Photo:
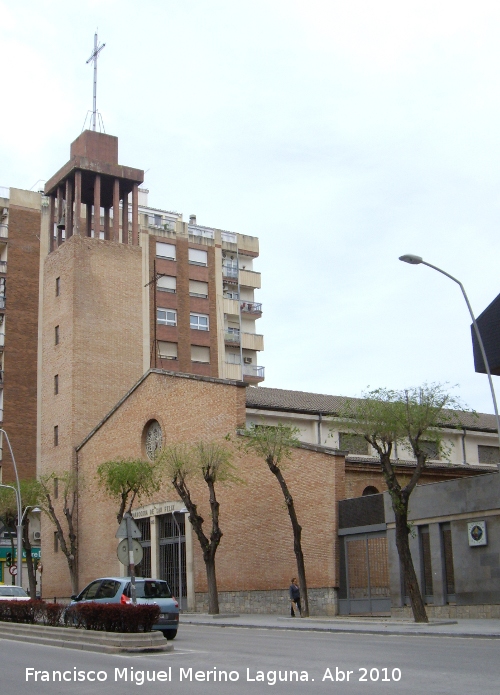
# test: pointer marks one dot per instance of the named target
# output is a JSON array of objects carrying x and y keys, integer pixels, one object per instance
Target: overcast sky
[{"x": 341, "y": 133}]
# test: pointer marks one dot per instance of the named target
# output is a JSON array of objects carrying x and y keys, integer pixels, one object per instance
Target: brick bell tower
[{"x": 91, "y": 315}]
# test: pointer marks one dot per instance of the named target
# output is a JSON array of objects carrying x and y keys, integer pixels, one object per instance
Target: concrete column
[
  {"x": 125, "y": 219},
  {"x": 395, "y": 571},
  {"x": 97, "y": 206},
  {"x": 60, "y": 210},
  {"x": 437, "y": 564},
  {"x": 69, "y": 208},
  {"x": 77, "y": 226},
  {"x": 155, "y": 548},
  {"x": 116, "y": 210},
  {"x": 88, "y": 219},
  {"x": 135, "y": 214},
  {"x": 52, "y": 207},
  {"x": 416, "y": 556},
  {"x": 107, "y": 231}
]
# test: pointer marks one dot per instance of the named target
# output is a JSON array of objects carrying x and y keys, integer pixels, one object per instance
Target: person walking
[{"x": 294, "y": 592}]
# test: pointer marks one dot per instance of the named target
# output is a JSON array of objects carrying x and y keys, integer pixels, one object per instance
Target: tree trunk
[
  {"x": 213, "y": 596},
  {"x": 29, "y": 560},
  {"x": 297, "y": 537},
  {"x": 409, "y": 575}
]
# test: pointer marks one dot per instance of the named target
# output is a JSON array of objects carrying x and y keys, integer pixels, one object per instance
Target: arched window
[
  {"x": 370, "y": 490},
  {"x": 153, "y": 439}
]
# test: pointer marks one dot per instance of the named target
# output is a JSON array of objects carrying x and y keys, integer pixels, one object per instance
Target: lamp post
[
  {"x": 418, "y": 260},
  {"x": 180, "y": 511}
]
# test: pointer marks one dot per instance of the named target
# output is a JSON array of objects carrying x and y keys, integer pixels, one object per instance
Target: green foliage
[
  {"x": 412, "y": 418},
  {"x": 272, "y": 443},
  {"x": 208, "y": 460},
  {"x": 31, "y": 496},
  {"x": 128, "y": 480}
]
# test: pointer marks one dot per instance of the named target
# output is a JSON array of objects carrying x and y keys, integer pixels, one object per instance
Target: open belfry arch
[{"x": 92, "y": 182}]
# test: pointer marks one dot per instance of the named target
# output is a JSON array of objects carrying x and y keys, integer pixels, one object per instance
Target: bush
[
  {"x": 113, "y": 617},
  {"x": 29, "y": 612},
  {"x": 52, "y": 614}
]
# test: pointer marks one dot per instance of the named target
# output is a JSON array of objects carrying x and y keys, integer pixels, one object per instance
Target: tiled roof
[{"x": 263, "y": 398}]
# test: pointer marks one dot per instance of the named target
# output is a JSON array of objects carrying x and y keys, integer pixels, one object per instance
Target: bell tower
[{"x": 91, "y": 313}]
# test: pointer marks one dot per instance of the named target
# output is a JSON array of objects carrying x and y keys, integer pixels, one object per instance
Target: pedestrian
[{"x": 294, "y": 592}]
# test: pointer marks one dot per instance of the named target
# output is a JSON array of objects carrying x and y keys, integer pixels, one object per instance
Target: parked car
[
  {"x": 13, "y": 593},
  {"x": 117, "y": 590}
]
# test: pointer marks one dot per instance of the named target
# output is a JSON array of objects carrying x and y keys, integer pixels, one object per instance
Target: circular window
[{"x": 154, "y": 439}]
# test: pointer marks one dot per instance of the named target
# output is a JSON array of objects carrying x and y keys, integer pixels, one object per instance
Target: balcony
[
  {"x": 231, "y": 306},
  {"x": 251, "y": 308},
  {"x": 4, "y": 231},
  {"x": 252, "y": 341},
  {"x": 249, "y": 278},
  {"x": 253, "y": 374},
  {"x": 230, "y": 274},
  {"x": 2, "y": 340},
  {"x": 232, "y": 371},
  {"x": 3, "y": 266},
  {"x": 2, "y": 301},
  {"x": 232, "y": 336}
]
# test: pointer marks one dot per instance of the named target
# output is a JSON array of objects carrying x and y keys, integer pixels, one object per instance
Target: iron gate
[
  {"x": 366, "y": 575},
  {"x": 172, "y": 537}
]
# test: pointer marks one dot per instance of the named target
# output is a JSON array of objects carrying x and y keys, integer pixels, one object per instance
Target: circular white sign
[{"x": 122, "y": 552}]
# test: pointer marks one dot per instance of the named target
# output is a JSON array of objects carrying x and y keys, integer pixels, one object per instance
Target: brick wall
[
  {"x": 256, "y": 552},
  {"x": 21, "y": 340}
]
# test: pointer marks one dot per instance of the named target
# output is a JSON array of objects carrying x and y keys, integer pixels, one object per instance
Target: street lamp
[
  {"x": 418, "y": 260},
  {"x": 181, "y": 511}
]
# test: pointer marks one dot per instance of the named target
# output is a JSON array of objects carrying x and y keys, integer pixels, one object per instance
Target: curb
[
  {"x": 350, "y": 630},
  {"x": 86, "y": 640}
]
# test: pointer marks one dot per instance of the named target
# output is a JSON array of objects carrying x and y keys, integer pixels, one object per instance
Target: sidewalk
[{"x": 485, "y": 629}]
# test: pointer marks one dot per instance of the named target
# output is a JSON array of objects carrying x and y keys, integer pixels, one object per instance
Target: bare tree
[
  {"x": 275, "y": 444},
  {"x": 210, "y": 461},
  {"x": 413, "y": 420}
]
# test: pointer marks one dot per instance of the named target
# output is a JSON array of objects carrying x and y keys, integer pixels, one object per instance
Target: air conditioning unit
[
  {"x": 37, "y": 535},
  {"x": 247, "y": 360}
]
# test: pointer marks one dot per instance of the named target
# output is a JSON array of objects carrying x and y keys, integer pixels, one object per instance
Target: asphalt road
[{"x": 427, "y": 665}]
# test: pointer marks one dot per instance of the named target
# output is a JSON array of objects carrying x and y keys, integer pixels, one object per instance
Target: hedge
[{"x": 109, "y": 617}]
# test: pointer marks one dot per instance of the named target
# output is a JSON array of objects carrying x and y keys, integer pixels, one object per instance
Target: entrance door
[
  {"x": 172, "y": 533},
  {"x": 367, "y": 575}
]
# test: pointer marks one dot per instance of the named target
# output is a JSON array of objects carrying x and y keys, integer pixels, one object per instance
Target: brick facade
[{"x": 21, "y": 341}]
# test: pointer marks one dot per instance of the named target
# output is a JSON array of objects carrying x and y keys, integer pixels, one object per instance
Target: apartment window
[
  {"x": 488, "y": 454},
  {"x": 167, "y": 317},
  {"x": 167, "y": 283},
  {"x": 231, "y": 295},
  {"x": 56, "y": 435},
  {"x": 58, "y": 287},
  {"x": 56, "y": 542},
  {"x": 56, "y": 488},
  {"x": 353, "y": 443},
  {"x": 233, "y": 358},
  {"x": 197, "y": 257},
  {"x": 198, "y": 289},
  {"x": 165, "y": 250},
  {"x": 199, "y": 322},
  {"x": 56, "y": 384},
  {"x": 431, "y": 449},
  {"x": 167, "y": 351},
  {"x": 56, "y": 335},
  {"x": 157, "y": 220},
  {"x": 200, "y": 353}
]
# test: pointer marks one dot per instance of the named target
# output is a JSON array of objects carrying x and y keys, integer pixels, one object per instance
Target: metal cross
[{"x": 97, "y": 50}]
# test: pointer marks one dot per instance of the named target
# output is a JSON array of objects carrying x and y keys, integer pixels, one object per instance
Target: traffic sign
[
  {"x": 122, "y": 529},
  {"x": 13, "y": 570},
  {"x": 122, "y": 552}
]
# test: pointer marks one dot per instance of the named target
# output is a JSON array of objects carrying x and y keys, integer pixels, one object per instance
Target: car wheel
[{"x": 169, "y": 634}]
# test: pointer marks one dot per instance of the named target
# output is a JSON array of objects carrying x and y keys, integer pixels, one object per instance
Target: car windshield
[
  {"x": 12, "y": 591},
  {"x": 152, "y": 589}
]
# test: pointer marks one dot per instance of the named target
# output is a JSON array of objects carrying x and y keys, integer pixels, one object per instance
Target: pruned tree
[
  {"x": 411, "y": 419},
  {"x": 31, "y": 496},
  {"x": 210, "y": 461},
  {"x": 275, "y": 445},
  {"x": 66, "y": 487},
  {"x": 128, "y": 480}
]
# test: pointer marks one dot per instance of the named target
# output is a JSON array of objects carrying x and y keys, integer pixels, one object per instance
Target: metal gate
[
  {"x": 366, "y": 566},
  {"x": 172, "y": 537},
  {"x": 143, "y": 569}
]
